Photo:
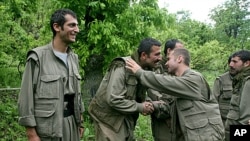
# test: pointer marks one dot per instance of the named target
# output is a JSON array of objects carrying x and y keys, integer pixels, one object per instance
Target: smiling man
[
  {"x": 121, "y": 97},
  {"x": 49, "y": 103},
  {"x": 198, "y": 115}
]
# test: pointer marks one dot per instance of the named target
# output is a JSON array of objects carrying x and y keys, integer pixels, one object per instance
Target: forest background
[{"x": 111, "y": 28}]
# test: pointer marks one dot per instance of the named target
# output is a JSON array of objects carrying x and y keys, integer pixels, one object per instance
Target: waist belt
[
  {"x": 68, "y": 105},
  {"x": 68, "y": 112}
]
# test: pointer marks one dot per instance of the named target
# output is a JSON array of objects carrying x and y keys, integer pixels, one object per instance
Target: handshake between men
[{"x": 148, "y": 107}]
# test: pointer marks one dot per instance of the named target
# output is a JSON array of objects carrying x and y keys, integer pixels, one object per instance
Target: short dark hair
[
  {"x": 171, "y": 44},
  {"x": 146, "y": 45},
  {"x": 59, "y": 17},
  {"x": 244, "y": 55},
  {"x": 229, "y": 59},
  {"x": 183, "y": 52}
]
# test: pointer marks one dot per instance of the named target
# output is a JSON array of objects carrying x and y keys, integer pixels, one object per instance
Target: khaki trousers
[{"x": 70, "y": 131}]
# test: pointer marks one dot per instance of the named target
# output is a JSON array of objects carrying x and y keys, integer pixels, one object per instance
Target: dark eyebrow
[
  {"x": 158, "y": 53},
  {"x": 73, "y": 24}
]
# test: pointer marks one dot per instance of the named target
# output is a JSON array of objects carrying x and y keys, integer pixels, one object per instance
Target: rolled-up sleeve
[{"x": 26, "y": 96}]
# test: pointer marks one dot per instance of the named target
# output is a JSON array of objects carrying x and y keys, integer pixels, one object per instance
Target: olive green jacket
[
  {"x": 160, "y": 118},
  {"x": 197, "y": 108},
  {"x": 239, "y": 112},
  {"x": 118, "y": 97},
  {"x": 222, "y": 90},
  {"x": 46, "y": 80},
  {"x": 239, "y": 105}
]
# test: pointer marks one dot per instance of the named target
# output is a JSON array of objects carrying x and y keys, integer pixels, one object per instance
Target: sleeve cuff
[
  {"x": 27, "y": 121},
  {"x": 140, "y": 107},
  {"x": 139, "y": 72}
]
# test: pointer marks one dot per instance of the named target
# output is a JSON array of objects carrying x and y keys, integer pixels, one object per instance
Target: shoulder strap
[
  {"x": 34, "y": 58},
  {"x": 221, "y": 86}
]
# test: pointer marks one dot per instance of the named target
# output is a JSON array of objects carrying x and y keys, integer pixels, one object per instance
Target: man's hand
[
  {"x": 81, "y": 131},
  {"x": 31, "y": 134},
  {"x": 132, "y": 65},
  {"x": 148, "y": 108}
]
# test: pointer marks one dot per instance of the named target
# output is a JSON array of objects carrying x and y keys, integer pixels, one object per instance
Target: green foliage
[
  {"x": 232, "y": 23},
  {"x": 194, "y": 32},
  {"x": 9, "y": 77},
  {"x": 114, "y": 28},
  {"x": 111, "y": 28},
  {"x": 9, "y": 128},
  {"x": 143, "y": 129},
  {"x": 211, "y": 56}
]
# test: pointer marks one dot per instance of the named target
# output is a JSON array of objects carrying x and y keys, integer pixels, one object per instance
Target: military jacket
[
  {"x": 239, "y": 106},
  {"x": 222, "y": 90},
  {"x": 118, "y": 96},
  {"x": 46, "y": 80},
  {"x": 161, "y": 110},
  {"x": 197, "y": 108}
]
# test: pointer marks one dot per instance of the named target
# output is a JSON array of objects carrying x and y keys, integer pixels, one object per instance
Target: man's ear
[
  {"x": 247, "y": 64},
  {"x": 143, "y": 55},
  {"x": 56, "y": 27},
  {"x": 168, "y": 51},
  {"x": 179, "y": 59}
]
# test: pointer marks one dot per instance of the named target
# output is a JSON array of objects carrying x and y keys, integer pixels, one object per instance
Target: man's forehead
[
  {"x": 236, "y": 58},
  {"x": 70, "y": 18}
]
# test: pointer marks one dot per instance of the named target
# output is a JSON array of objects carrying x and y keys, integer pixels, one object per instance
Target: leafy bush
[
  {"x": 10, "y": 130},
  {"x": 9, "y": 77}
]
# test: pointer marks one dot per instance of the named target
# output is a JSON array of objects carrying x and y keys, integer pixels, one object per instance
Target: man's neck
[
  {"x": 60, "y": 46},
  {"x": 181, "y": 70}
]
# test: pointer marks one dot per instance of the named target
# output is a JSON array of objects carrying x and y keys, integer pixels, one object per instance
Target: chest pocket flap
[
  {"x": 131, "y": 83},
  {"x": 50, "y": 86},
  {"x": 227, "y": 92}
]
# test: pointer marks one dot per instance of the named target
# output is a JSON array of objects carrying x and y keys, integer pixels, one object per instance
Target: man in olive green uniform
[
  {"x": 163, "y": 103},
  {"x": 50, "y": 104},
  {"x": 197, "y": 109},
  {"x": 119, "y": 98},
  {"x": 239, "y": 113},
  {"x": 222, "y": 90}
]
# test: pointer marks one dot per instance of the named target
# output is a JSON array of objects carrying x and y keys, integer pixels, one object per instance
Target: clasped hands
[{"x": 148, "y": 108}]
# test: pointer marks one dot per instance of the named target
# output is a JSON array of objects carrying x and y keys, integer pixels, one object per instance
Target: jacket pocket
[
  {"x": 227, "y": 93},
  {"x": 235, "y": 100},
  {"x": 44, "y": 122},
  {"x": 218, "y": 132},
  {"x": 106, "y": 115},
  {"x": 50, "y": 86},
  {"x": 195, "y": 130},
  {"x": 131, "y": 83},
  {"x": 205, "y": 130}
]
